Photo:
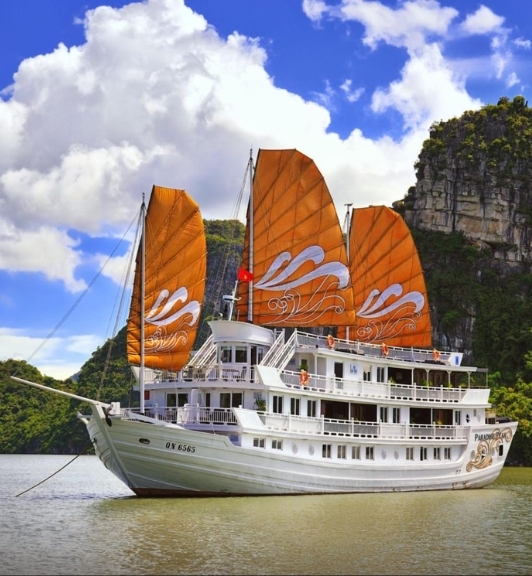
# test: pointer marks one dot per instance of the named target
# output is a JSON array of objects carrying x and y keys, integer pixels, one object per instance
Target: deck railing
[
  {"x": 386, "y": 390},
  {"x": 199, "y": 416},
  {"x": 352, "y": 428}
]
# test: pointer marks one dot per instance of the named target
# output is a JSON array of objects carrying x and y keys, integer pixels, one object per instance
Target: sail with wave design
[
  {"x": 389, "y": 287},
  {"x": 174, "y": 285},
  {"x": 294, "y": 248}
]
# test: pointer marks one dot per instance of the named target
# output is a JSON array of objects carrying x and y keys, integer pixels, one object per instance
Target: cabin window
[
  {"x": 146, "y": 394},
  {"x": 311, "y": 408},
  {"x": 447, "y": 453},
  {"x": 437, "y": 454},
  {"x": 384, "y": 413},
  {"x": 237, "y": 399},
  {"x": 182, "y": 399},
  {"x": 367, "y": 374},
  {"x": 225, "y": 400},
  {"x": 422, "y": 453},
  {"x": 410, "y": 453},
  {"x": 370, "y": 453},
  {"x": 355, "y": 452},
  {"x": 380, "y": 374},
  {"x": 258, "y": 442},
  {"x": 277, "y": 444},
  {"x": 396, "y": 415},
  {"x": 171, "y": 400},
  {"x": 326, "y": 450},
  {"x": 230, "y": 400},
  {"x": 208, "y": 399},
  {"x": 501, "y": 450},
  {"x": 457, "y": 417},
  {"x": 278, "y": 404},
  {"x": 241, "y": 354},
  {"x": 341, "y": 452},
  {"x": 226, "y": 354},
  {"x": 294, "y": 406}
]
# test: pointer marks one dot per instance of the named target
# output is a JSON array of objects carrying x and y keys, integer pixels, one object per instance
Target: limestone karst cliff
[
  {"x": 470, "y": 211},
  {"x": 474, "y": 175}
]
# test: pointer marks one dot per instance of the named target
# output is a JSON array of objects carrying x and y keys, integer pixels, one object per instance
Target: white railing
[
  {"x": 374, "y": 350},
  {"x": 189, "y": 414},
  {"x": 330, "y": 426},
  {"x": 386, "y": 390},
  {"x": 192, "y": 415},
  {"x": 206, "y": 355}
]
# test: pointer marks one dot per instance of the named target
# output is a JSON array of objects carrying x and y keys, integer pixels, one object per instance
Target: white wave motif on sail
[
  {"x": 373, "y": 306},
  {"x": 291, "y": 307},
  {"x": 161, "y": 318},
  {"x": 397, "y": 317},
  {"x": 162, "y": 340},
  {"x": 312, "y": 253}
]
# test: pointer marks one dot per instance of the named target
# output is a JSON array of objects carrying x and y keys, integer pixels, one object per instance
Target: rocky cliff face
[{"x": 474, "y": 175}]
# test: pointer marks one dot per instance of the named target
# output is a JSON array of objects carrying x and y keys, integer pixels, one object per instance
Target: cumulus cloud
[{"x": 483, "y": 21}]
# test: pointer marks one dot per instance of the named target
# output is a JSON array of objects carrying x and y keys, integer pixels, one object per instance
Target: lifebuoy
[
  {"x": 303, "y": 377},
  {"x": 435, "y": 354},
  {"x": 330, "y": 341},
  {"x": 385, "y": 350}
]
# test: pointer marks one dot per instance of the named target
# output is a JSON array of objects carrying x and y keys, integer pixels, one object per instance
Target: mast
[
  {"x": 142, "y": 305},
  {"x": 251, "y": 232}
]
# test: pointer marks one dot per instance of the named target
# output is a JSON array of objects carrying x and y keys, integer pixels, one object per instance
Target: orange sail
[
  {"x": 390, "y": 294},
  {"x": 175, "y": 272},
  {"x": 294, "y": 251}
]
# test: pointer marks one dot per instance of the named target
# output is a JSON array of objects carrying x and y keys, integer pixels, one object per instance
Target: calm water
[{"x": 84, "y": 521}]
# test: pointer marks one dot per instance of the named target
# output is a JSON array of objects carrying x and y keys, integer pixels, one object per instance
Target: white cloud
[
  {"x": 483, "y": 21},
  {"x": 522, "y": 43},
  {"x": 428, "y": 90},
  {"x": 60, "y": 358},
  {"x": 409, "y": 26},
  {"x": 350, "y": 94}
]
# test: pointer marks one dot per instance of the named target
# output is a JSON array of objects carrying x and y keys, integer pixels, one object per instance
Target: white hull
[{"x": 217, "y": 467}]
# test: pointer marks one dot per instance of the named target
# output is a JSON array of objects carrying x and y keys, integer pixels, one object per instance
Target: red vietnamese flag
[{"x": 244, "y": 275}]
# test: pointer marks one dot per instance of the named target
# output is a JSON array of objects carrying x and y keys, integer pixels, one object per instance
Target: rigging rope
[
  {"x": 83, "y": 294},
  {"x": 125, "y": 283},
  {"x": 213, "y": 307},
  {"x": 56, "y": 472}
]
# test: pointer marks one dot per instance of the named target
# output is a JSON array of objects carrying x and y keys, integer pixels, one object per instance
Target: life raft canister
[
  {"x": 303, "y": 377},
  {"x": 385, "y": 350},
  {"x": 330, "y": 341}
]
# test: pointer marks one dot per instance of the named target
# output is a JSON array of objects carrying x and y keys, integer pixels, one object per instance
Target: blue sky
[{"x": 101, "y": 100}]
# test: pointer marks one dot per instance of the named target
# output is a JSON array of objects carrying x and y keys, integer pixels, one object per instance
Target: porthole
[
  {"x": 294, "y": 447},
  {"x": 383, "y": 454},
  {"x": 311, "y": 449},
  {"x": 144, "y": 441},
  {"x": 396, "y": 454}
]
